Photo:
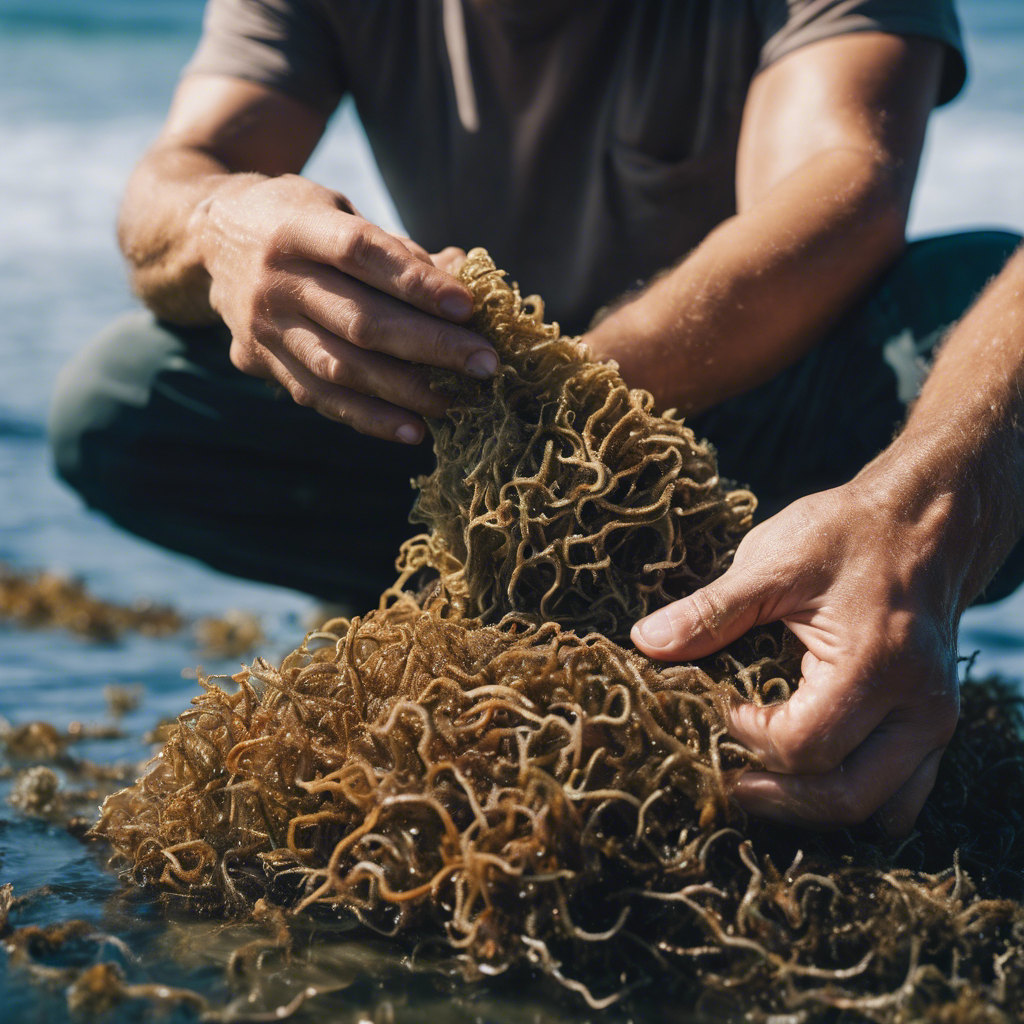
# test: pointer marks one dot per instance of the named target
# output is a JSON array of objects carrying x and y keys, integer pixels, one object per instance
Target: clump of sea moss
[
  {"x": 479, "y": 762},
  {"x": 559, "y": 492}
]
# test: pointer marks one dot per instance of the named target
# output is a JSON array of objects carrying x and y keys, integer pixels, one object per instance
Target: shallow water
[{"x": 83, "y": 89}]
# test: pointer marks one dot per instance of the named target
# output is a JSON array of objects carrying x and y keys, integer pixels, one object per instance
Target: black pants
[{"x": 154, "y": 427}]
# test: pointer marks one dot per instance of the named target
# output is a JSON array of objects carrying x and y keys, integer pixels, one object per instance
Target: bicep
[
  {"x": 244, "y": 125},
  {"x": 868, "y": 91}
]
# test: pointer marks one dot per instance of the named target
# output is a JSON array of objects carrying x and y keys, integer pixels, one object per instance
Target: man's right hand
[{"x": 339, "y": 312}]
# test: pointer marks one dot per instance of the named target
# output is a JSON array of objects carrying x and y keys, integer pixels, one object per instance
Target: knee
[{"x": 94, "y": 396}]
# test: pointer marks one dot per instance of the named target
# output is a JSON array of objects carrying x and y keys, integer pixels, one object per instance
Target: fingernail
[
  {"x": 482, "y": 364},
  {"x": 409, "y": 434},
  {"x": 655, "y": 630},
  {"x": 456, "y": 307}
]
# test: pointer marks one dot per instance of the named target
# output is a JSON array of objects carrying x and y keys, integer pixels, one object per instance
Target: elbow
[{"x": 880, "y": 212}]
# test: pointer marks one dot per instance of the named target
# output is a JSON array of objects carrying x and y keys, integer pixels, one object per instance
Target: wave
[
  {"x": 103, "y": 15},
  {"x": 20, "y": 430}
]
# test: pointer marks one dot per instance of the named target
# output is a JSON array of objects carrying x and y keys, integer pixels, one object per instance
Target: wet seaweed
[
  {"x": 52, "y": 783},
  {"x": 558, "y": 492},
  {"x": 48, "y": 600},
  {"x": 479, "y": 764}
]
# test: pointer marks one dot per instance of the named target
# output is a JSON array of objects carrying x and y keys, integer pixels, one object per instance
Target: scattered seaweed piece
[
  {"x": 36, "y": 791},
  {"x": 43, "y": 741},
  {"x": 122, "y": 700},
  {"x": 32, "y": 741},
  {"x": 45, "y": 600},
  {"x": 228, "y": 636},
  {"x": 64, "y": 956},
  {"x": 65, "y": 796},
  {"x": 479, "y": 764}
]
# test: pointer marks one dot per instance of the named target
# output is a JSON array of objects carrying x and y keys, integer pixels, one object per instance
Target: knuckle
[
  {"x": 281, "y": 239},
  {"x": 336, "y": 371},
  {"x": 803, "y": 753},
  {"x": 368, "y": 427},
  {"x": 360, "y": 421},
  {"x": 375, "y": 426},
  {"x": 845, "y": 807},
  {"x": 708, "y": 612},
  {"x": 363, "y": 329},
  {"x": 355, "y": 243},
  {"x": 343, "y": 414},
  {"x": 242, "y": 357},
  {"x": 264, "y": 288},
  {"x": 263, "y": 330},
  {"x": 302, "y": 291},
  {"x": 413, "y": 279},
  {"x": 441, "y": 347}
]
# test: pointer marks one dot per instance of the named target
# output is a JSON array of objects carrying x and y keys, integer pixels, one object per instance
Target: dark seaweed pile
[{"x": 478, "y": 763}]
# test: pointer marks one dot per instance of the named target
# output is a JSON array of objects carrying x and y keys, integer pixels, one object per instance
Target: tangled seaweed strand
[
  {"x": 459, "y": 767},
  {"x": 559, "y": 491}
]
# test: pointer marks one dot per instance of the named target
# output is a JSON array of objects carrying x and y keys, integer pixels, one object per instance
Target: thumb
[{"x": 702, "y": 623}]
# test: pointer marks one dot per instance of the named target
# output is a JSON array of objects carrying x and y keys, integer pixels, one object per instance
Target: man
[{"x": 755, "y": 159}]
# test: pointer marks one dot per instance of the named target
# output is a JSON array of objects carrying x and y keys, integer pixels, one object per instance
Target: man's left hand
[{"x": 878, "y": 697}]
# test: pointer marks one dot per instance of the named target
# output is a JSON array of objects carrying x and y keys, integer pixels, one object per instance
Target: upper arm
[
  {"x": 867, "y": 91},
  {"x": 244, "y": 125}
]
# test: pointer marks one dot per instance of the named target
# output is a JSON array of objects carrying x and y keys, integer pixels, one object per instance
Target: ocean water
[{"x": 83, "y": 88}]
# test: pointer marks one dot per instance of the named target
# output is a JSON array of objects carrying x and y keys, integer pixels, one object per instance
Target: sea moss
[
  {"x": 479, "y": 761},
  {"x": 558, "y": 490}
]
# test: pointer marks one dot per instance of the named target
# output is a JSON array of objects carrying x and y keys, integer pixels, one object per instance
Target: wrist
[
  {"x": 210, "y": 222},
  {"x": 930, "y": 515}
]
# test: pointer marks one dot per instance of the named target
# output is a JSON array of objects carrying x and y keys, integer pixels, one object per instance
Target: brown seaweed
[
  {"x": 48, "y": 600},
  {"x": 559, "y": 492},
  {"x": 479, "y": 763}
]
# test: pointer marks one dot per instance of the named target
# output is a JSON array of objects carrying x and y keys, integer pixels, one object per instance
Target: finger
[
  {"x": 337, "y": 362},
  {"x": 364, "y": 413},
  {"x": 898, "y": 814},
  {"x": 378, "y": 259},
  {"x": 417, "y": 250},
  {"x": 877, "y": 770},
  {"x": 450, "y": 259},
  {"x": 827, "y": 717},
  {"x": 704, "y": 622},
  {"x": 376, "y": 322},
  {"x": 250, "y": 360}
]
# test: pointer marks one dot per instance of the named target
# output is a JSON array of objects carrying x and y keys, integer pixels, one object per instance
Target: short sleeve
[
  {"x": 789, "y": 24},
  {"x": 289, "y": 45}
]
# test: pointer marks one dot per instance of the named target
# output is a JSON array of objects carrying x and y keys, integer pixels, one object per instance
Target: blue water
[{"x": 83, "y": 88}]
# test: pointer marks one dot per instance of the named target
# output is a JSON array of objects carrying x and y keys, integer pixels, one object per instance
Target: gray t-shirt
[{"x": 607, "y": 129}]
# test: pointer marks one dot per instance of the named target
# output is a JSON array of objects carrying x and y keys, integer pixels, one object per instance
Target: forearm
[
  {"x": 222, "y": 136},
  {"x": 763, "y": 287},
  {"x": 158, "y": 231},
  {"x": 959, "y": 462}
]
